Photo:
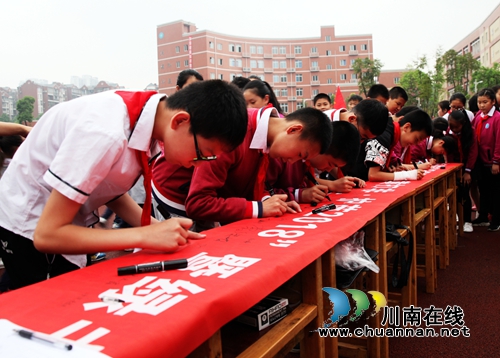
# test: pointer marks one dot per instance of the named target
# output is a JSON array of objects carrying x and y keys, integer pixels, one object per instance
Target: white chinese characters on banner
[{"x": 226, "y": 266}]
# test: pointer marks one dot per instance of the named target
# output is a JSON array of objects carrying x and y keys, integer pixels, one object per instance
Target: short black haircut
[
  {"x": 459, "y": 96},
  {"x": 495, "y": 88},
  {"x": 372, "y": 115},
  {"x": 321, "y": 96},
  {"x": 397, "y": 92},
  {"x": 355, "y": 97},
  {"x": 254, "y": 77},
  {"x": 345, "y": 142},
  {"x": 217, "y": 109},
  {"x": 185, "y": 75},
  {"x": 317, "y": 126},
  {"x": 261, "y": 89},
  {"x": 378, "y": 90},
  {"x": 473, "y": 107},
  {"x": 405, "y": 110},
  {"x": 240, "y": 82},
  {"x": 444, "y": 105},
  {"x": 419, "y": 121}
]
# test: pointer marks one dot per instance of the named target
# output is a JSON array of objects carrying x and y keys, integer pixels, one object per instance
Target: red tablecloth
[{"x": 168, "y": 314}]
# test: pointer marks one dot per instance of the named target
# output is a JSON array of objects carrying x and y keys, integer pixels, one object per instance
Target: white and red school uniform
[
  {"x": 489, "y": 136},
  {"x": 334, "y": 114},
  {"x": 84, "y": 149},
  {"x": 223, "y": 190}
]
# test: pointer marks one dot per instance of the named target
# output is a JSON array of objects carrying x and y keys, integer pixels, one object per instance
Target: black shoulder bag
[{"x": 392, "y": 234}]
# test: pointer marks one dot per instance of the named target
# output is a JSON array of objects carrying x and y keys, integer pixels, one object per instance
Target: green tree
[
  {"x": 366, "y": 71},
  {"x": 459, "y": 69},
  {"x": 25, "y": 109},
  {"x": 4, "y": 118},
  {"x": 486, "y": 77}
]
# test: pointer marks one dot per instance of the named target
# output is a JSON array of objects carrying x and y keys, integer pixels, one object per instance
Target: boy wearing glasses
[
  {"x": 88, "y": 152},
  {"x": 232, "y": 187}
]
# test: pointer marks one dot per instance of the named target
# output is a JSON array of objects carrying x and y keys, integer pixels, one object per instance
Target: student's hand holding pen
[
  {"x": 275, "y": 206},
  {"x": 316, "y": 193}
]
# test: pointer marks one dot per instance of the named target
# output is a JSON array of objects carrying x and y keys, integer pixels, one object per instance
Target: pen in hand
[
  {"x": 37, "y": 337},
  {"x": 415, "y": 165},
  {"x": 315, "y": 182}
]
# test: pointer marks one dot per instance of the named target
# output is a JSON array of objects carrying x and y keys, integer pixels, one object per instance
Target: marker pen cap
[{"x": 127, "y": 270}]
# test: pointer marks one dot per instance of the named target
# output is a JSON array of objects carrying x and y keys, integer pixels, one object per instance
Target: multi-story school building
[{"x": 297, "y": 69}]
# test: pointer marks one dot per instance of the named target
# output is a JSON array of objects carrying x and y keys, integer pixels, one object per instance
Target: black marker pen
[
  {"x": 415, "y": 165},
  {"x": 315, "y": 182},
  {"x": 324, "y": 208},
  {"x": 153, "y": 267}
]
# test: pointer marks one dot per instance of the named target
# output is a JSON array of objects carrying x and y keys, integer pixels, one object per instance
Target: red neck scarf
[
  {"x": 479, "y": 126},
  {"x": 135, "y": 102}
]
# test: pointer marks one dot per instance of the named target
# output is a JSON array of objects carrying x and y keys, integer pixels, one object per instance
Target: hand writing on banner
[
  {"x": 170, "y": 234},
  {"x": 275, "y": 206},
  {"x": 316, "y": 193}
]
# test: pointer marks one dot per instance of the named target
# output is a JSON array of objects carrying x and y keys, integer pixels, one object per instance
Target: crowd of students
[{"x": 214, "y": 153}]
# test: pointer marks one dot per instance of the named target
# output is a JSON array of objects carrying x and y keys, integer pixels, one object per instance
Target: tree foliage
[
  {"x": 25, "y": 109},
  {"x": 366, "y": 71},
  {"x": 486, "y": 77},
  {"x": 459, "y": 70},
  {"x": 4, "y": 118}
]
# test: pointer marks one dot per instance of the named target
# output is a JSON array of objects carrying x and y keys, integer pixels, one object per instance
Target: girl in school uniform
[
  {"x": 432, "y": 149},
  {"x": 465, "y": 137},
  {"x": 487, "y": 129}
]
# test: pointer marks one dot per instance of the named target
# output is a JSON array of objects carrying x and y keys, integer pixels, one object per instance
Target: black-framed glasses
[{"x": 199, "y": 156}]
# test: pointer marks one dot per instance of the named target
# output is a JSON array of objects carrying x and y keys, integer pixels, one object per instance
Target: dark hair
[
  {"x": 372, "y": 115},
  {"x": 321, "y": 96},
  {"x": 458, "y": 96},
  {"x": 487, "y": 92},
  {"x": 473, "y": 107},
  {"x": 449, "y": 145},
  {"x": 240, "y": 81},
  {"x": 467, "y": 135},
  {"x": 405, "y": 110},
  {"x": 444, "y": 105},
  {"x": 397, "y": 92},
  {"x": 378, "y": 90},
  {"x": 261, "y": 89},
  {"x": 254, "y": 77},
  {"x": 419, "y": 120},
  {"x": 439, "y": 125},
  {"x": 355, "y": 97},
  {"x": 8, "y": 146},
  {"x": 317, "y": 126},
  {"x": 185, "y": 75},
  {"x": 345, "y": 142},
  {"x": 217, "y": 109},
  {"x": 495, "y": 88}
]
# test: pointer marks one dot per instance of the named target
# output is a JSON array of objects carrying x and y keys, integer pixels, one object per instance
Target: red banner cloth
[{"x": 169, "y": 314}]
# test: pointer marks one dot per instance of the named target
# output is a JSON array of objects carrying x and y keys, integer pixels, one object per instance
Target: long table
[{"x": 180, "y": 312}]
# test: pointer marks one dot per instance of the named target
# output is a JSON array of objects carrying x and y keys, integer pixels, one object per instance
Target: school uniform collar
[
  {"x": 429, "y": 142},
  {"x": 490, "y": 113},
  {"x": 141, "y": 136},
  {"x": 259, "y": 140}
]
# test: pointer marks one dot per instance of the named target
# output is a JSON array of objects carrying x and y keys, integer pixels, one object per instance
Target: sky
[{"x": 115, "y": 40}]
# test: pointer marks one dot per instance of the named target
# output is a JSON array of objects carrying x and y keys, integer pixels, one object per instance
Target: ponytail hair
[
  {"x": 467, "y": 135},
  {"x": 489, "y": 93},
  {"x": 261, "y": 89}
]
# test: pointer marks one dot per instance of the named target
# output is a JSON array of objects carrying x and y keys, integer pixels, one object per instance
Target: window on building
[
  {"x": 252, "y": 49},
  {"x": 231, "y": 47},
  {"x": 284, "y": 107},
  {"x": 315, "y": 92},
  {"x": 342, "y": 48},
  {"x": 219, "y": 46},
  {"x": 210, "y": 44},
  {"x": 353, "y": 47},
  {"x": 276, "y": 78},
  {"x": 343, "y": 76},
  {"x": 353, "y": 76},
  {"x": 186, "y": 47},
  {"x": 212, "y": 60},
  {"x": 212, "y": 76},
  {"x": 299, "y": 92},
  {"x": 253, "y": 64},
  {"x": 221, "y": 76},
  {"x": 328, "y": 52},
  {"x": 276, "y": 64},
  {"x": 298, "y": 77},
  {"x": 161, "y": 66},
  {"x": 186, "y": 63},
  {"x": 238, "y": 62},
  {"x": 314, "y": 63},
  {"x": 352, "y": 62},
  {"x": 328, "y": 66},
  {"x": 343, "y": 62},
  {"x": 282, "y": 50},
  {"x": 220, "y": 61},
  {"x": 364, "y": 47},
  {"x": 298, "y": 49},
  {"x": 232, "y": 62},
  {"x": 260, "y": 63},
  {"x": 282, "y": 64},
  {"x": 177, "y": 49},
  {"x": 314, "y": 49},
  {"x": 329, "y": 81},
  {"x": 300, "y": 105},
  {"x": 328, "y": 38},
  {"x": 277, "y": 92},
  {"x": 178, "y": 64},
  {"x": 283, "y": 78},
  {"x": 274, "y": 50},
  {"x": 298, "y": 63},
  {"x": 396, "y": 80},
  {"x": 260, "y": 49},
  {"x": 284, "y": 92},
  {"x": 238, "y": 48},
  {"x": 314, "y": 77}
]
